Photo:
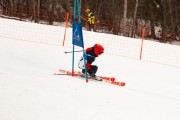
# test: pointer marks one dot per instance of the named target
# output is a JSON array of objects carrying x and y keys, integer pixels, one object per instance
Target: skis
[{"x": 110, "y": 80}]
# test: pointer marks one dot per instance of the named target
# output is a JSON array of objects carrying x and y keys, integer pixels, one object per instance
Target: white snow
[{"x": 31, "y": 53}]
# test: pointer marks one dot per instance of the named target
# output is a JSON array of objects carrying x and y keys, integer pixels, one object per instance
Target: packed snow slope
[{"x": 31, "y": 53}]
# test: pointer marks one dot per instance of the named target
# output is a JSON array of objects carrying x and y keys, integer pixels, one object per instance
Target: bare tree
[
  {"x": 38, "y": 10},
  {"x": 134, "y": 18},
  {"x": 11, "y": 7},
  {"x": 176, "y": 3},
  {"x": 124, "y": 17},
  {"x": 172, "y": 19}
]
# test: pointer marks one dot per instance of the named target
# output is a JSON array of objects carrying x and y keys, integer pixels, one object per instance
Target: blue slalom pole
[
  {"x": 79, "y": 11},
  {"x": 72, "y": 38},
  {"x": 84, "y": 55}
]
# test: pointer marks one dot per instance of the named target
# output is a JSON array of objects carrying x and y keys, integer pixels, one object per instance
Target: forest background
[{"x": 161, "y": 18}]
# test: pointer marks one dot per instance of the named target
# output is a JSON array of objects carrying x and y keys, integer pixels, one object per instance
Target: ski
[
  {"x": 77, "y": 74},
  {"x": 80, "y": 74},
  {"x": 110, "y": 80}
]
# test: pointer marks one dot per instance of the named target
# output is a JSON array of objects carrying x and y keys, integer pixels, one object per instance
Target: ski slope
[{"x": 31, "y": 53}]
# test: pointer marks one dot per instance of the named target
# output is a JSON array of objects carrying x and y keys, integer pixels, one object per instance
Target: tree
[
  {"x": 124, "y": 17},
  {"x": 134, "y": 18}
]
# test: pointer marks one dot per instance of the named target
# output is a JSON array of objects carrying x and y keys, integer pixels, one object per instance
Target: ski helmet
[{"x": 98, "y": 49}]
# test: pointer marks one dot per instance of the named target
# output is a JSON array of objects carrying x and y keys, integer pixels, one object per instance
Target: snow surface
[{"x": 31, "y": 53}]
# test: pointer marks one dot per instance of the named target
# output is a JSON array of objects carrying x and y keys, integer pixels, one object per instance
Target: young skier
[{"x": 90, "y": 55}]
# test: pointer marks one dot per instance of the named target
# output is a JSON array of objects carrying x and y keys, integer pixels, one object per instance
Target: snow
[{"x": 31, "y": 53}]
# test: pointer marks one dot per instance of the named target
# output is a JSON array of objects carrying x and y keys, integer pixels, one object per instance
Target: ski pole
[
  {"x": 72, "y": 51},
  {"x": 61, "y": 74},
  {"x": 66, "y": 74}
]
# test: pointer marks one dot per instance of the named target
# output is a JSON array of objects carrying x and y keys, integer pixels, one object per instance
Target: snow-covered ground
[{"x": 31, "y": 53}]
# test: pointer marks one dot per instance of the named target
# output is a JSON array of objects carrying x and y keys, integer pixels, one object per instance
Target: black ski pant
[{"x": 93, "y": 70}]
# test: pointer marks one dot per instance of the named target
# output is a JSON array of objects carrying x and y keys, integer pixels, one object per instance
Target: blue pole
[
  {"x": 72, "y": 38},
  {"x": 79, "y": 11},
  {"x": 85, "y": 57},
  {"x": 75, "y": 1}
]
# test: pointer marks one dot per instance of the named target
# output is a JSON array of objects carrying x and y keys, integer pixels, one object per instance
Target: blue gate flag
[{"x": 77, "y": 34}]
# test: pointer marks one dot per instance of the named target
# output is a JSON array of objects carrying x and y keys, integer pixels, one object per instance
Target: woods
[{"x": 119, "y": 17}]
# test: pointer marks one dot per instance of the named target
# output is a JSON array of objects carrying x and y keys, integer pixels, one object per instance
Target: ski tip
[
  {"x": 122, "y": 84},
  {"x": 118, "y": 83}
]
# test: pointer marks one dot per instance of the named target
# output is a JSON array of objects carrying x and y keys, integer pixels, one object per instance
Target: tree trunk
[
  {"x": 51, "y": 12},
  {"x": 164, "y": 31},
  {"x": 176, "y": 17},
  {"x": 34, "y": 11},
  {"x": 19, "y": 11},
  {"x": 134, "y": 19},
  {"x": 11, "y": 7},
  {"x": 152, "y": 22},
  {"x": 172, "y": 21},
  {"x": 38, "y": 10},
  {"x": 124, "y": 17}
]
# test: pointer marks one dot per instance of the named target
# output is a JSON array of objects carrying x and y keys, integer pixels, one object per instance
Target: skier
[
  {"x": 90, "y": 19},
  {"x": 90, "y": 55}
]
